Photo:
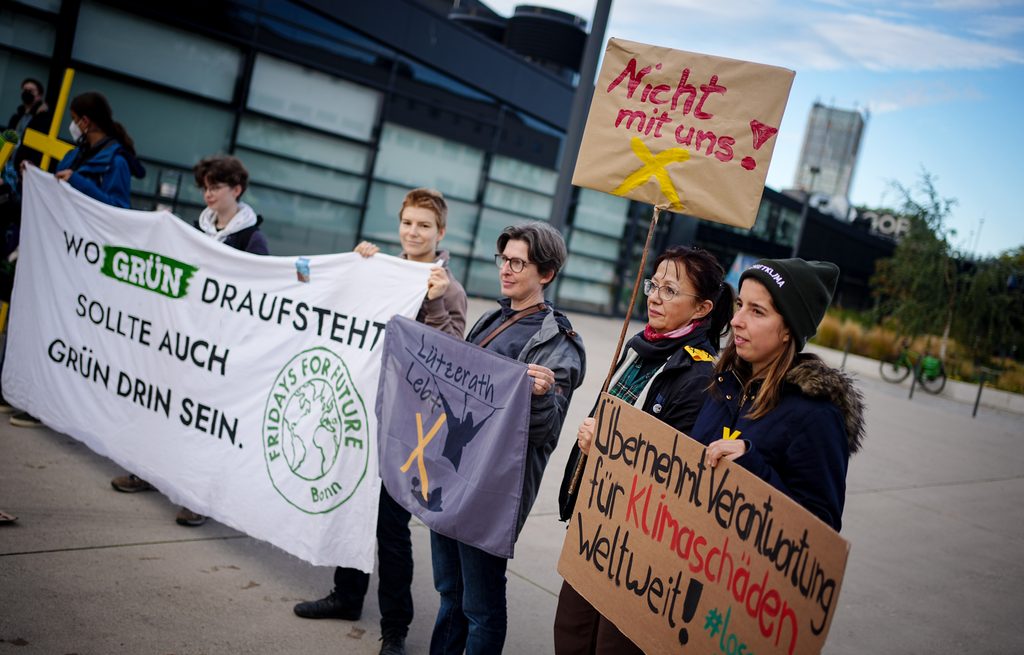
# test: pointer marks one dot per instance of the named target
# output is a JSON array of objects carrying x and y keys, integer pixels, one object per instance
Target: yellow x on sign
[
  {"x": 654, "y": 166},
  {"x": 421, "y": 443}
]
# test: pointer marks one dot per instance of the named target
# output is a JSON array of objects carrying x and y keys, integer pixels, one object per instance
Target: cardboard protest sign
[
  {"x": 454, "y": 422},
  {"x": 684, "y": 558},
  {"x": 240, "y": 386},
  {"x": 683, "y": 131}
]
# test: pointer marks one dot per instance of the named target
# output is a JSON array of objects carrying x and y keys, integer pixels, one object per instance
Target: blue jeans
[{"x": 473, "y": 616}]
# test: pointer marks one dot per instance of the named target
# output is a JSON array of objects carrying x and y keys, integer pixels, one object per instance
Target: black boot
[{"x": 330, "y": 607}]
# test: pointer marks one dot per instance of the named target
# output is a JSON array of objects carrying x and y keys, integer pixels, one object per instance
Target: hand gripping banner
[{"x": 240, "y": 386}]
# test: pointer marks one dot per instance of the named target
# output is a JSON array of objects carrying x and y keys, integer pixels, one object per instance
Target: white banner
[{"x": 241, "y": 386}]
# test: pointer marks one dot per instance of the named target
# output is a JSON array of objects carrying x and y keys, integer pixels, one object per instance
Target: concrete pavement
[{"x": 932, "y": 512}]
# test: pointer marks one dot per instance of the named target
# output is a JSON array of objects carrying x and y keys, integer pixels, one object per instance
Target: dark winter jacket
[
  {"x": 558, "y": 347},
  {"x": 674, "y": 396},
  {"x": 40, "y": 122},
  {"x": 250, "y": 240},
  {"x": 103, "y": 172},
  {"x": 803, "y": 446}
]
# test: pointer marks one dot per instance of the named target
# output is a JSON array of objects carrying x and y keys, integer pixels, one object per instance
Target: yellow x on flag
[{"x": 421, "y": 443}]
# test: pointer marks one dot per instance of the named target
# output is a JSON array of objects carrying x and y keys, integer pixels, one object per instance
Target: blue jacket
[
  {"x": 104, "y": 172},
  {"x": 803, "y": 446},
  {"x": 557, "y": 346}
]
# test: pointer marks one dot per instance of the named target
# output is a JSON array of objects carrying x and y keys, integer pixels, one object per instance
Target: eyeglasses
[
  {"x": 667, "y": 294},
  {"x": 517, "y": 265}
]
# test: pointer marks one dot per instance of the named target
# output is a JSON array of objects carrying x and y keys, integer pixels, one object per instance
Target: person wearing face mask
[
  {"x": 790, "y": 419},
  {"x": 31, "y": 113},
  {"x": 665, "y": 371},
  {"x": 104, "y": 162},
  {"x": 101, "y": 167}
]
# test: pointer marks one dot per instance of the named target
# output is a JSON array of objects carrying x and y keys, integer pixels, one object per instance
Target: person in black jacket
[
  {"x": 790, "y": 419},
  {"x": 665, "y": 371}
]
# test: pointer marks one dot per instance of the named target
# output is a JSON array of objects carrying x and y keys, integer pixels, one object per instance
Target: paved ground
[{"x": 933, "y": 513}]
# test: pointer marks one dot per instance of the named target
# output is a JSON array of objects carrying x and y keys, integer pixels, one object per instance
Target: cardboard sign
[
  {"x": 686, "y": 132},
  {"x": 684, "y": 558}
]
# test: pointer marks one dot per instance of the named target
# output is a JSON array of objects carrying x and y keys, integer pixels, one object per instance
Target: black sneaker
[
  {"x": 330, "y": 607},
  {"x": 25, "y": 420},
  {"x": 393, "y": 646}
]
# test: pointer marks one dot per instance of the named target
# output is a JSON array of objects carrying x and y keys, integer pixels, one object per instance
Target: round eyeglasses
[
  {"x": 666, "y": 293},
  {"x": 517, "y": 265}
]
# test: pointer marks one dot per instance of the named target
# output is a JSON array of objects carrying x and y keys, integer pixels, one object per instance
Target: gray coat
[{"x": 558, "y": 347}]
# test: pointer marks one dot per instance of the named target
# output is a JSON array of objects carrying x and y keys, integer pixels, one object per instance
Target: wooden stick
[{"x": 577, "y": 474}]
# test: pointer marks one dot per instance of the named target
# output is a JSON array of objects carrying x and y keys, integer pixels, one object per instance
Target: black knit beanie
[{"x": 801, "y": 291}]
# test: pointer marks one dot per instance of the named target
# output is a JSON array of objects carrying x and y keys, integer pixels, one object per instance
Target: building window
[
  {"x": 417, "y": 159},
  {"x": 529, "y": 204},
  {"x": 46, "y": 5},
  {"x": 26, "y": 33},
  {"x": 165, "y": 127},
  {"x": 296, "y": 224},
  {"x": 312, "y": 98},
  {"x": 527, "y": 176},
  {"x": 122, "y": 42},
  {"x": 273, "y": 137},
  {"x": 602, "y": 213}
]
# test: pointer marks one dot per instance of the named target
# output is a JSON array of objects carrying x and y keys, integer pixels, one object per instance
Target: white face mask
[{"x": 76, "y": 132}]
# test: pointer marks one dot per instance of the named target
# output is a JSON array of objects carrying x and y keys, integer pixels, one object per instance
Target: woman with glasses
[
  {"x": 665, "y": 371},
  {"x": 472, "y": 616},
  {"x": 223, "y": 179}
]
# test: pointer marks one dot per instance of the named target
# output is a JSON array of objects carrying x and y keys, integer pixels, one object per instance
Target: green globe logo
[
  {"x": 311, "y": 426},
  {"x": 315, "y": 435}
]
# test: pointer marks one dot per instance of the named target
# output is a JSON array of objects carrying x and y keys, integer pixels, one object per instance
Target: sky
[{"x": 942, "y": 80}]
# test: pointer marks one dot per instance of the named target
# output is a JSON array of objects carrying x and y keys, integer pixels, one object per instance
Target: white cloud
[
  {"x": 878, "y": 45},
  {"x": 910, "y": 95},
  {"x": 876, "y": 35},
  {"x": 998, "y": 27}
]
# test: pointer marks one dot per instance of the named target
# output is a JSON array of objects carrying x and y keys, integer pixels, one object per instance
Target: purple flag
[{"x": 453, "y": 423}]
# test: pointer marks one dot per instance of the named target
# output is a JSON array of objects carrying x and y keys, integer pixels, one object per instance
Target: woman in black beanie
[
  {"x": 787, "y": 417},
  {"x": 665, "y": 371}
]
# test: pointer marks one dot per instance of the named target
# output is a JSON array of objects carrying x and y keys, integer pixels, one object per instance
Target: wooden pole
[{"x": 577, "y": 474}]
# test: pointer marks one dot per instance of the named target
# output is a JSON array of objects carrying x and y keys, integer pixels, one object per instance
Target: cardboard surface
[
  {"x": 683, "y": 131},
  {"x": 683, "y": 558}
]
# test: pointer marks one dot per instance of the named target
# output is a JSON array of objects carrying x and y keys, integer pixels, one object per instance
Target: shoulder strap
[{"x": 517, "y": 316}]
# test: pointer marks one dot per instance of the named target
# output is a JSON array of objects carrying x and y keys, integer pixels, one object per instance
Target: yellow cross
[
  {"x": 654, "y": 166},
  {"x": 48, "y": 144},
  {"x": 421, "y": 443}
]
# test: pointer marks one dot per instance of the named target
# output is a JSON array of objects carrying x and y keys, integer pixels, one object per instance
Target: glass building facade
[
  {"x": 337, "y": 109},
  {"x": 333, "y": 122}
]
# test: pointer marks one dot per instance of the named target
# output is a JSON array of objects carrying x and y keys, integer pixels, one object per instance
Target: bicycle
[{"x": 930, "y": 372}]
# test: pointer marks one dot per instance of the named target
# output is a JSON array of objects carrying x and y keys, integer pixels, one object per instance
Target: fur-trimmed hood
[{"x": 816, "y": 379}]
